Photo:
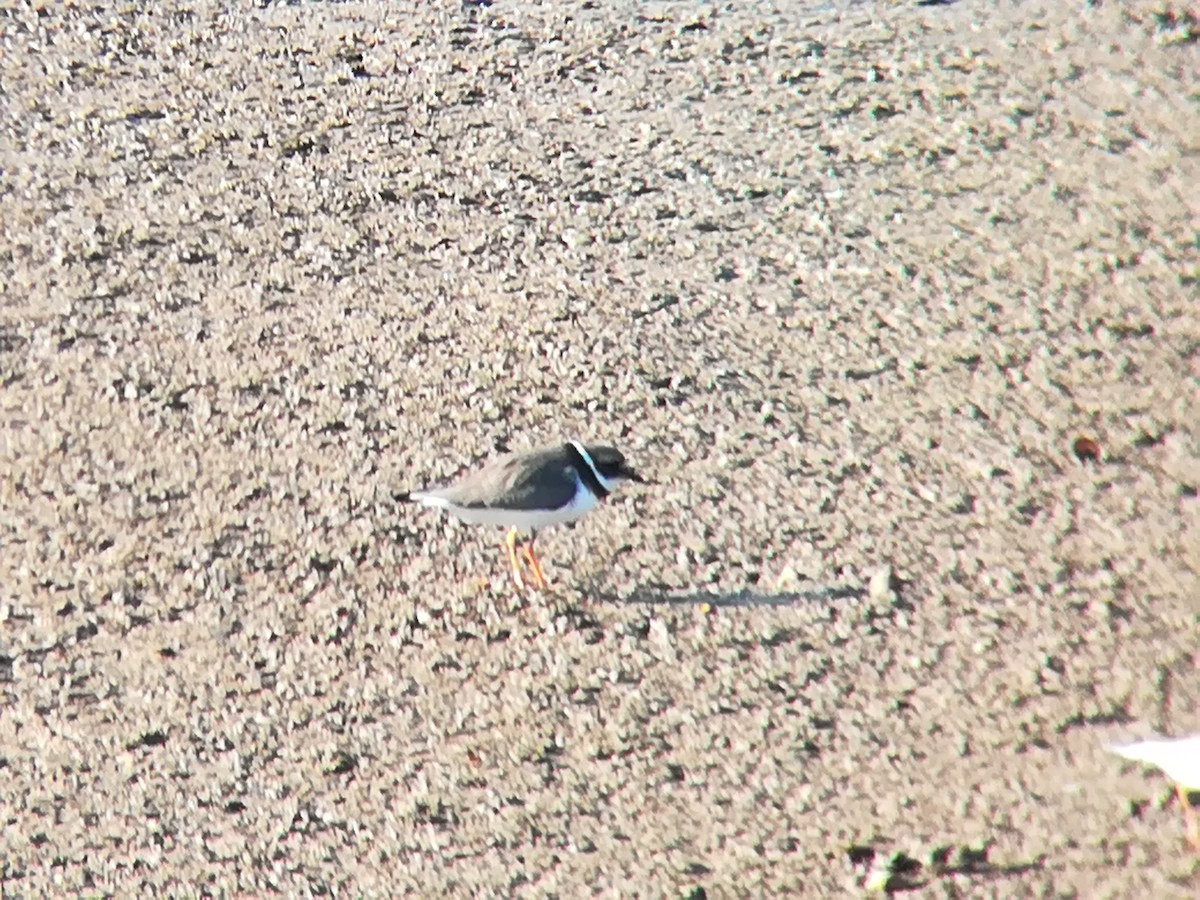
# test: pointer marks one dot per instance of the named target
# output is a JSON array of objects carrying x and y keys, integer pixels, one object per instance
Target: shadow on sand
[
  {"x": 897, "y": 872},
  {"x": 660, "y": 595}
]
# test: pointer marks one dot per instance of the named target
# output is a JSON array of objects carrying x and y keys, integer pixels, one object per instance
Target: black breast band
[{"x": 586, "y": 472}]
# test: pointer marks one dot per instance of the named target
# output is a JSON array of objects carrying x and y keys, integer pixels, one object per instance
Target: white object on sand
[{"x": 1179, "y": 758}]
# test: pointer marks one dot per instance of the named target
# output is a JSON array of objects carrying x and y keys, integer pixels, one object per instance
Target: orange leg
[
  {"x": 535, "y": 566},
  {"x": 1189, "y": 816},
  {"x": 511, "y": 543}
]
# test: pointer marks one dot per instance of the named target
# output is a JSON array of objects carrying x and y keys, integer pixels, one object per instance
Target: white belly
[{"x": 583, "y": 502}]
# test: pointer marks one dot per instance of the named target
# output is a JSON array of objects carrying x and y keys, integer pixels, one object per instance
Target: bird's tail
[
  {"x": 423, "y": 497},
  {"x": 1149, "y": 750}
]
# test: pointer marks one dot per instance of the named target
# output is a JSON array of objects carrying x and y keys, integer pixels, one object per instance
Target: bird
[
  {"x": 1179, "y": 758},
  {"x": 531, "y": 490}
]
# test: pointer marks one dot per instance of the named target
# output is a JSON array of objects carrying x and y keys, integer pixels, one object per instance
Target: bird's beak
[{"x": 631, "y": 475}]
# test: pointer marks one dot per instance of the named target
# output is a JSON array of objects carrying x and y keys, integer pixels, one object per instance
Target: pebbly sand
[{"x": 852, "y": 283}]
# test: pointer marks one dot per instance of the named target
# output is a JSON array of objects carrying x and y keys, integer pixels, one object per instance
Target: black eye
[{"x": 611, "y": 469}]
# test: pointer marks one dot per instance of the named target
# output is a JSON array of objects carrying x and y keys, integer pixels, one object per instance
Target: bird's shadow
[
  {"x": 661, "y": 595},
  {"x": 903, "y": 873}
]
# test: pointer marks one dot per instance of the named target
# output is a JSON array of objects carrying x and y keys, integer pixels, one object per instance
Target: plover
[
  {"x": 529, "y": 491},
  {"x": 1179, "y": 758}
]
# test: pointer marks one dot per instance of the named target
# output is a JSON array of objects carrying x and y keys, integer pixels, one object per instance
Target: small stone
[
  {"x": 659, "y": 633},
  {"x": 879, "y": 879},
  {"x": 788, "y": 579},
  {"x": 880, "y": 585}
]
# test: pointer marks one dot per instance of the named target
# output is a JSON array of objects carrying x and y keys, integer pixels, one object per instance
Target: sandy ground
[{"x": 848, "y": 284}]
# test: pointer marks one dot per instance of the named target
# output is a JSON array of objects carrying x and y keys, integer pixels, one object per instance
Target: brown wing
[{"x": 539, "y": 479}]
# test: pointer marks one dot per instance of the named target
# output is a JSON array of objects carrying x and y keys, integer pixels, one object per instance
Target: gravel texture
[{"x": 897, "y": 303}]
